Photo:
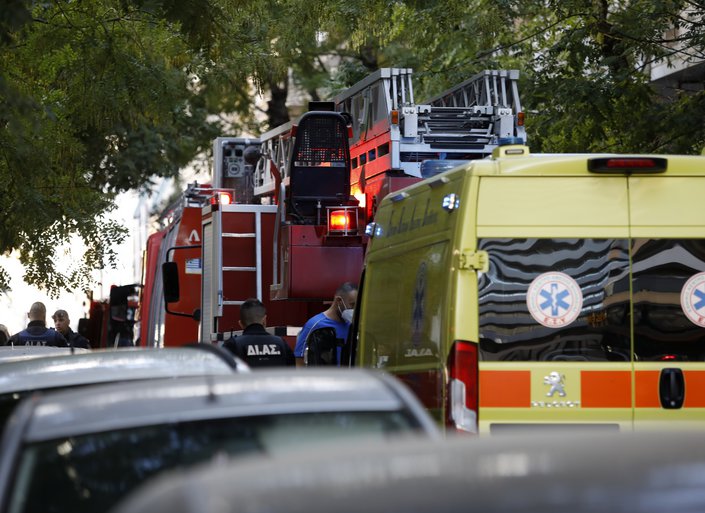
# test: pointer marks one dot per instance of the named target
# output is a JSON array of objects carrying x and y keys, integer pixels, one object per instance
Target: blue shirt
[{"x": 319, "y": 321}]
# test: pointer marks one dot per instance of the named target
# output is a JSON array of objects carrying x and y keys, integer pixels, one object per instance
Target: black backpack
[{"x": 322, "y": 347}]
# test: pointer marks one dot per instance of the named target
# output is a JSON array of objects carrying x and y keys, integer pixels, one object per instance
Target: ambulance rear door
[
  {"x": 554, "y": 329},
  {"x": 668, "y": 282}
]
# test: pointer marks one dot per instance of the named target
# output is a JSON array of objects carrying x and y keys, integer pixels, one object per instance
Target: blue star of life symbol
[
  {"x": 554, "y": 299},
  {"x": 417, "y": 312},
  {"x": 701, "y": 296}
]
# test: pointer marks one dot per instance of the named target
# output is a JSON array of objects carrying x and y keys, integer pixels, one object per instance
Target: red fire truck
[
  {"x": 289, "y": 242},
  {"x": 291, "y": 230}
]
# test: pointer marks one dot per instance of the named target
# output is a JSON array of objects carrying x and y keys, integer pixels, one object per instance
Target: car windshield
[{"x": 93, "y": 472}]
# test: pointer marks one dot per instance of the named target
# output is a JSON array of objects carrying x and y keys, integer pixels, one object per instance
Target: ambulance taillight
[
  {"x": 462, "y": 396},
  {"x": 627, "y": 165}
]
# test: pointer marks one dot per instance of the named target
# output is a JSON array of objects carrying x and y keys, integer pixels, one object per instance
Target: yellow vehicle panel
[{"x": 532, "y": 205}]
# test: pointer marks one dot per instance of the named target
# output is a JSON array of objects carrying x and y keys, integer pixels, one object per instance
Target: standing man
[
  {"x": 338, "y": 316},
  {"x": 61, "y": 323},
  {"x": 37, "y": 333},
  {"x": 256, "y": 346}
]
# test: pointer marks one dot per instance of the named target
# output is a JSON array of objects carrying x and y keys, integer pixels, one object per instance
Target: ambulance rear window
[
  {"x": 576, "y": 300},
  {"x": 555, "y": 299},
  {"x": 669, "y": 299}
]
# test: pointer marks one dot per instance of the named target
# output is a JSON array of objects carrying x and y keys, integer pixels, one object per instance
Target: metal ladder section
[
  {"x": 384, "y": 90},
  {"x": 479, "y": 110},
  {"x": 487, "y": 89},
  {"x": 470, "y": 117},
  {"x": 257, "y": 269},
  {"x": 276, "y": 148}
]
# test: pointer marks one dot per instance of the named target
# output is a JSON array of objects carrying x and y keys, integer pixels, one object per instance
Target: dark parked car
[
  {"x": 83, "y": 450},
  {"x": 652, "y": 472}
]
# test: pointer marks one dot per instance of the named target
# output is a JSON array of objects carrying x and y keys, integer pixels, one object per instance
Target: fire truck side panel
[
  {"x": 209, "y": 278},
  {"x": 234, "y": 252},
  {"x": 238, "y": 266},
  {"x": 378, "y": 187},
  {"x": 311, "y": 267},
  {"x": 189, "y": 265},
  {"x": 239, "y": 259},
  {"x": 581, "y": 294},
  {"x": 149, "y": 294},
  {"x": 168, "y": 330}
]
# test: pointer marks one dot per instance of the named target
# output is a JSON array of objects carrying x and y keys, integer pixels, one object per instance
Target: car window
[
  {"x": 92, "y": 472},
  {"x": 7, "y": 404}
]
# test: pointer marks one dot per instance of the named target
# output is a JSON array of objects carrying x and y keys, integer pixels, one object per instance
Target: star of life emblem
[
  {"x": 554, "y": 299},
  {"x": 693, "y": 299}
]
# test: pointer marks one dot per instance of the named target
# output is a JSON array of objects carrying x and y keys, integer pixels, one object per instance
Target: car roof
[
  {"x": 12, "y": 352},
  {"x": 58, "y": 371},
  {"x": 280, "y": 391},
  {"x": 577, "y": 472}
]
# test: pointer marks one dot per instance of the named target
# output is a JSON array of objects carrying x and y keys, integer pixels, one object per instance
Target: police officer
[
  {"x": 256, "y": 346},
  {"x": 37, "y": 333},
  {"x": 61, "y": 323}
]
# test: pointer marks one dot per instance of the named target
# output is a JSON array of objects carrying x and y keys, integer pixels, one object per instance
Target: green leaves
[
  {"x": 101, "y": 96},
  {"x": 97, "y": 102}
]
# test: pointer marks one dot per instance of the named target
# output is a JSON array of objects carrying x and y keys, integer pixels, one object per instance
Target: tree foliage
[
  {"x": 101, "y": 96},
  {"x": 97, "y": 98},
  {"x": 587, "y": 77}
]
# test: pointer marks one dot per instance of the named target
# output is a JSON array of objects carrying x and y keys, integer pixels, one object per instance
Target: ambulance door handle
[{"x": 672, "y": 388}]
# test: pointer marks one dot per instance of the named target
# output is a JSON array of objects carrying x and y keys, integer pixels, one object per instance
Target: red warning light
[
  {"x": 342, "y": 221},
  {"x": 222, "y": 198}
]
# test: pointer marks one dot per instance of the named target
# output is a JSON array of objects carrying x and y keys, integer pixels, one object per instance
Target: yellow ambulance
[{"x": 534, "y": 291}]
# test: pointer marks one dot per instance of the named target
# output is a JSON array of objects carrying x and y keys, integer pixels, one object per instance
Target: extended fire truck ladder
[
  {"x": 462, "y": 123},
  {"x": 480, "y": 110}
]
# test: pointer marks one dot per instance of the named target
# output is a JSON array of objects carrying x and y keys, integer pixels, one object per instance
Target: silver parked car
[
  {"x": 84, "y": 450},
  {"x": 24, "y": 376}
]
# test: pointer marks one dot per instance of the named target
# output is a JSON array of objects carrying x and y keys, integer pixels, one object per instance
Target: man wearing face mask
[{"x": 338, "y": 317}]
